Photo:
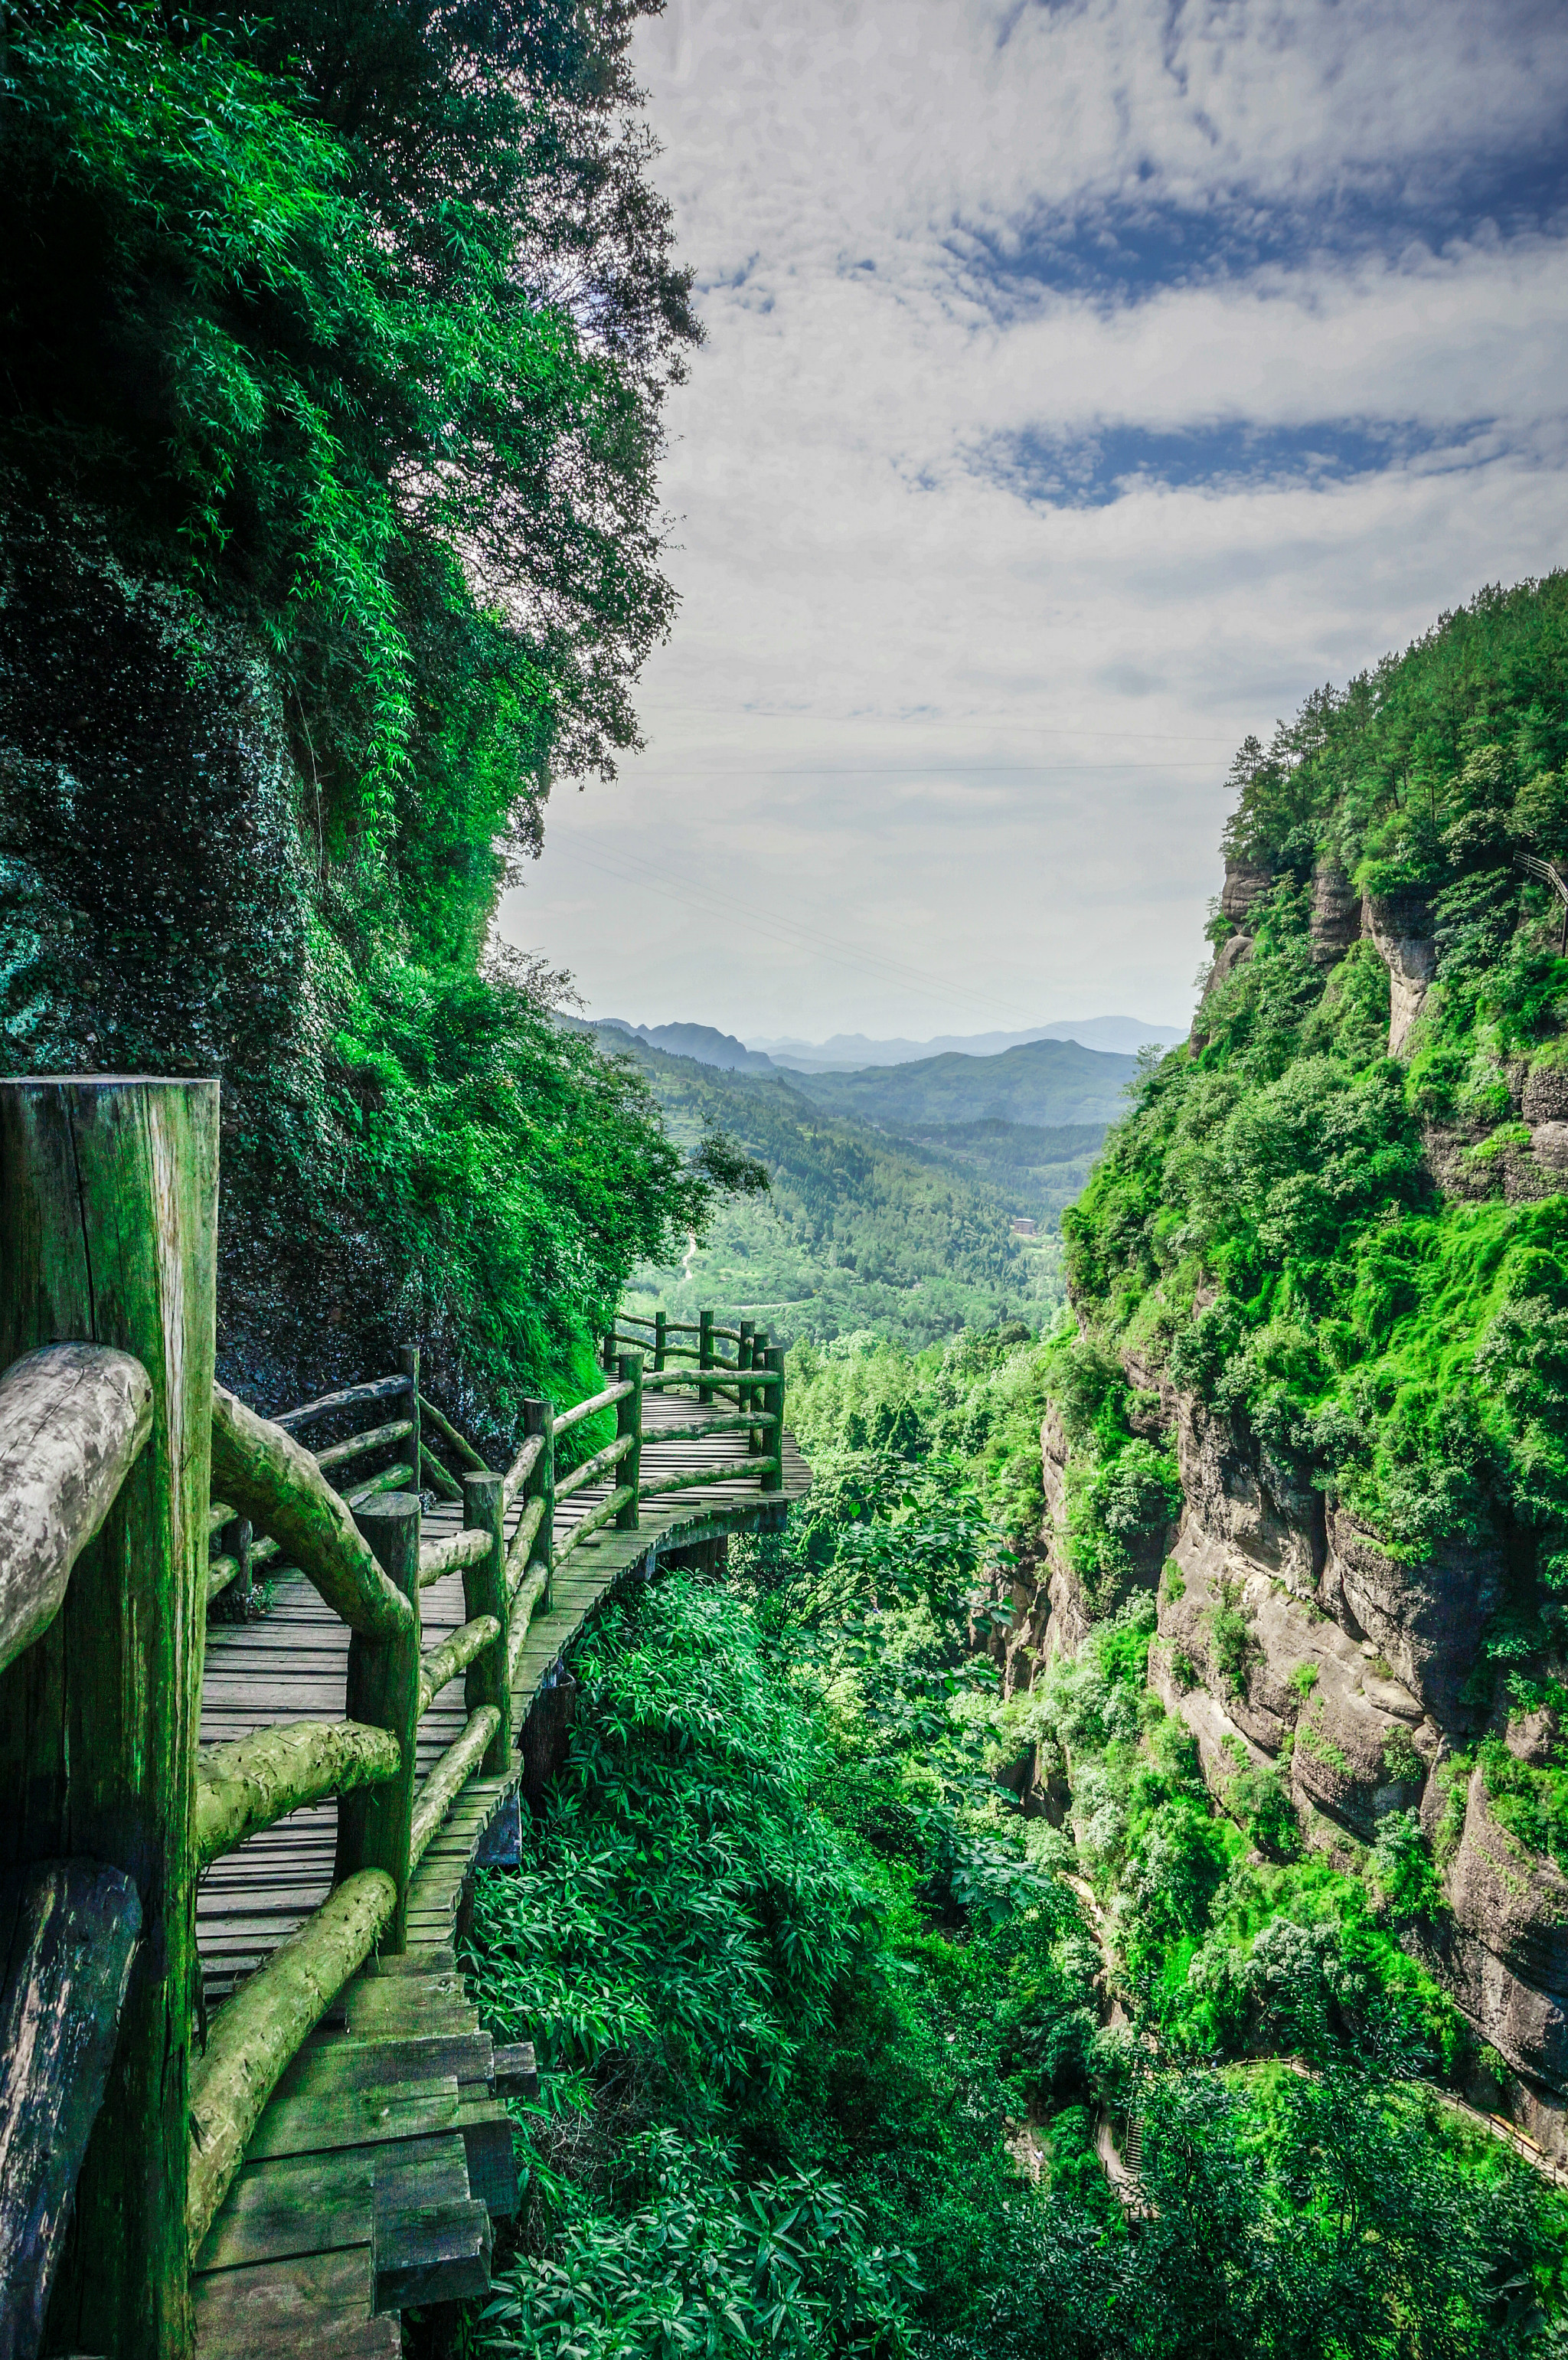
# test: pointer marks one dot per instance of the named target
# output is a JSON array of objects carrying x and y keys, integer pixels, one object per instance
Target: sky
[{"x": 1086, "y": 382}]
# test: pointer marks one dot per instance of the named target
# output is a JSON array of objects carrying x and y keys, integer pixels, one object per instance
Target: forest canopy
[{"x": 336, "y": 349}]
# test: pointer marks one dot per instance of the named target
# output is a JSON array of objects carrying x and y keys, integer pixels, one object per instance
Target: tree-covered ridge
[
  {"x": 336, "y": 346},
  {"x": 1361, "y": 1253},
  {"x": 860, "y": 1227}
]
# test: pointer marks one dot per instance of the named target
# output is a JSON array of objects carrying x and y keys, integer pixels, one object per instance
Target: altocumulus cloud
[{"x": 1083, "y": 385}]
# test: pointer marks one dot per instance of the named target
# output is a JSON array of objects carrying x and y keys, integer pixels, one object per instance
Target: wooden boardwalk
[{"x": 386, "y": 2150}]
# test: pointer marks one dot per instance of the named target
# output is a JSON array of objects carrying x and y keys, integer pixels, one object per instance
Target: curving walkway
[{"x": 385, "y": 2151}]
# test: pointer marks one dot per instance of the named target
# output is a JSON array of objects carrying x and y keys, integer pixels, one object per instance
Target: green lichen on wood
[
  {"x": 255, "y": 2035},
  {"x": 256, "y": 1780}
]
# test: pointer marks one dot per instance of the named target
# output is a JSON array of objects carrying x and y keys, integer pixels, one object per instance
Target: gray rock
[
  {"x": 1545, "y": 1097},
  {"x": 1340, "y": 1733},
  {"x": 1527, "y": 2027},
  {"x": 1242, "y": 1495},
  {"x": 1244, "y": 884},
  {"x": 1512, "y": 1899},
  {"x": 1401, "y": 927},
  {"x": 1549, "y": 1145},
  {"x": 1426, "y": 1619},
  {"x": 1336, "y": 912}
]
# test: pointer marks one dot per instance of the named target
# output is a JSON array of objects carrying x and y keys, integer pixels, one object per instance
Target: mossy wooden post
[
  {"x": 607, "y": 1351},
  {"x": 743, "y": 1361},
  {"x": 628, "y": 1420},
  {"x": 704, "y": 1353},
  {"x": 408, "y": 1361},
  {"x": 539, "y": 1417},
  {"x": 108, "y": 1208},
  {"x": 234, "y": 1541},
  {"x": 661, "y": 1326},
  {"x": 484, "y": 1592},
  {"x": 773, "y": 1402},
  {"x": 384, "y": 1689}
]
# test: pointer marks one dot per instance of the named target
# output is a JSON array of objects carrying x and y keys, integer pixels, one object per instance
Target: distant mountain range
[
  {"x": 1121, "y": 1034},
  {"x": 851, "y": 1052},
  {"x": 703, "y": 1042},
  {"x": 1042, "y": 1084}
]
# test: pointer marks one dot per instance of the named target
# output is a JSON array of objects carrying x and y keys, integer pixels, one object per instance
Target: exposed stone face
[
  {"x": 1526, "y": 2026},
  {"x": 1549, "y": 1145},
  {"x": 1245, "y": 883},
  {"x": 1427, "y": 1619},
  {"x": 1336, "y": 912},
  {"x": 1400, "y": 925},
  {"x": 1545, "y": 1096},
  {"x": 1301, "y": 1679},
  {"x": 1513, "y": 1900},
  {"x": 1242, "y": 1495}
]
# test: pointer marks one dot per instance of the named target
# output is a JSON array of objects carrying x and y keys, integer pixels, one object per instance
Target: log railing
[{"x": 133, "y": 1491}]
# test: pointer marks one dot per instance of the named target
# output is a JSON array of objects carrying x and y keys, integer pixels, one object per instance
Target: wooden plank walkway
[{"x": 384, "y": 2152}]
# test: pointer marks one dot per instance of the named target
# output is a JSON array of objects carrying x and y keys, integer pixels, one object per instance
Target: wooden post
[
  {"x": 773, "y": 1399},
  {"x": 484, "y": 1592},
  {"x": 539, "y": 1417},
  {"x": 704, "y": 1353},
  {"x": 607, "y": 1351},
  {"x": 757, "y": 1437},
  {"x": 660, "y": 1323},
  {"x": 384, "y": 1690},
  {"x": 235, "y": 1541},
  {"x": 628, "y": 1420},
  {"x": 108, "y": 1213},
  {"x": 408, "y": 1361},
  {"x": 743, "y": 1359}
]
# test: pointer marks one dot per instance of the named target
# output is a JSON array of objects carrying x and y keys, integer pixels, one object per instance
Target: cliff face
[{"x": 1326, "y": 1262}]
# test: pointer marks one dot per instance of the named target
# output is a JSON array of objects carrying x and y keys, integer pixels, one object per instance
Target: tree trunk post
[
  {"x": 628, "y": 1420},
  {"x": 743, "y": 1361},
  {"x": 774, "y": 1400},
  {"x": 484, "y": 1592},
  {"x": 408, "y": 1361},
  {"x": 704, "y": 1354},
  {"x": 108, "y": 1233},
  {"x": 384, "y": 1689},
  {"x": 235, "y": 1541},
  {"x": 661, "y": 1326},
  {"x": 539, "y": 1417}
]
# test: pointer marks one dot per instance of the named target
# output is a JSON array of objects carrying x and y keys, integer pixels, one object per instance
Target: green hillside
[
  {"x": 1039, "y": 1171},
  {"x": 859, "y": 1229},
  {"x": 1045, "y": 1083}
]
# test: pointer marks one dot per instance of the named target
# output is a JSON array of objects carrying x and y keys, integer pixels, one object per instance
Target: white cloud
[{"x": 879, "y": 628}]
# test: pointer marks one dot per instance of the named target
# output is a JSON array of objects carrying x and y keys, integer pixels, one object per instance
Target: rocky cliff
[{"x": 1320, "y": 1277}]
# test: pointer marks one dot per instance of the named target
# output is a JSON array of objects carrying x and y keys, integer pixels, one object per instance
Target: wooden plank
[
  {"x": 360, "y": 2064},
  {"x": 317, "y": 2304},
  {"x": 436, "y": 2251},
  {"x": 315, "y": 2125},
  {"x": 309, "y": 2205}
]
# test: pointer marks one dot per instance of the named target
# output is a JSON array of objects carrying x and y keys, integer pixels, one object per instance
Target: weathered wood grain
[
  {"x": 68, "y": 1932},
  {"x": 252, "y": 1781},
  {"x": 256, "y": 2034},
  {"x": 276, "y": 1483},
  {"x": 383, "y": 1688},
  {"x": 72, "y": 1419},
  {"x": 110, "y": 1192}
]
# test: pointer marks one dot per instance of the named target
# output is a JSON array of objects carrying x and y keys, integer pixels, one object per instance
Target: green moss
[
  {"x": 1303, "y": 1679},
  {"x": 1529, "y": 1799},
  {"x": 1311, "y": 1738}
]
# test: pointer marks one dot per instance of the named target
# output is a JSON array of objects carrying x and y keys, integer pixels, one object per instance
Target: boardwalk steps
[{"x": 385, "y": 2154}]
